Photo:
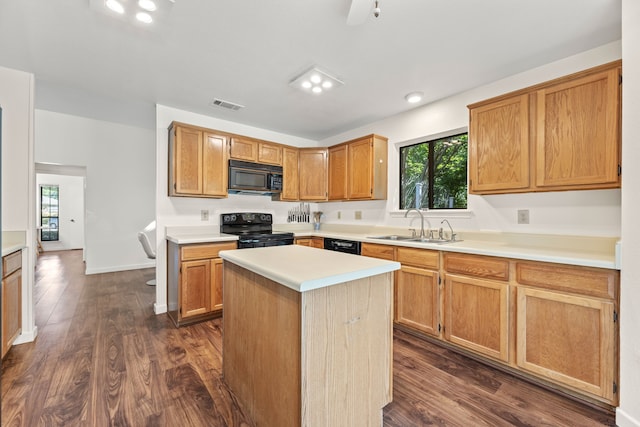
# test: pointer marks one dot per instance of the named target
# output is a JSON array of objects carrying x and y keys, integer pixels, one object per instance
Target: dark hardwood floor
[{"x": 102, "y": 358}]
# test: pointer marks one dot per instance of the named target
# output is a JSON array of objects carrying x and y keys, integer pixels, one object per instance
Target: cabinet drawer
[
  {"x": 596, "y": 282},
  {"x": 11, "y": 263},
  {"x": 477, "y": 265},
  {"x": 377, "y": 251},
  {"x": 205, "y": 251},
  {"x": 418, "y": 257}
]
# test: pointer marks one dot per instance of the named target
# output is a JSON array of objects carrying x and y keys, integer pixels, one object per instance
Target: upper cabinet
[
  {"x": 358, "y": 169},
  {"x": 197, "y": 162},
  {"x": 312, "y": 174},
  {"x": 559, "y": 135},
  {"x": 290, "y": 187},
  {"x": 253, "y": 150}
]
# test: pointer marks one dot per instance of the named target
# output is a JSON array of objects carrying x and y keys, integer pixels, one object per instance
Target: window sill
[{"x": 435, "y": 213}]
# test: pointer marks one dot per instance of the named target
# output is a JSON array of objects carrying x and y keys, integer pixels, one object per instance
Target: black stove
[{"x": 254, "y": 230}]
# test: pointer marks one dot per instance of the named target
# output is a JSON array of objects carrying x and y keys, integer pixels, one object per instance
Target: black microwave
[{"x": 254, "y": 177}]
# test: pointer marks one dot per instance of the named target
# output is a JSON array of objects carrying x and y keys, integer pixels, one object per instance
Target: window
[
  {"x": 49, "y": 211},
  {"x": 433, "y": 174}
]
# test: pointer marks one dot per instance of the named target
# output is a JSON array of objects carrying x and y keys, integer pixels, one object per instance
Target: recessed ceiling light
[
  {"x": 115, "y": 5},
  {"x": 147, "y": 5},
  {"x": 315, "y": 81},
  {"x": 414, "y": 97},
  {"x": 144, "y": 17}
]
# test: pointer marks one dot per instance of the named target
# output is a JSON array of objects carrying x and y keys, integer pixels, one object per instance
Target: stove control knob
[
  {"x": 226, "y": 218},
  {"x": 233, "y": 217}
]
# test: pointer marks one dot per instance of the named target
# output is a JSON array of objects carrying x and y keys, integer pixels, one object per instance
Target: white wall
[
  {"x": 628, "y": 414},
  {"x": 18, "y": 207},
  {"x": 120, "y": 183},
  {"x": 71, "y": 210},
  {"x": 579, "y": 212},
  {"x": 172, "y": 211}
]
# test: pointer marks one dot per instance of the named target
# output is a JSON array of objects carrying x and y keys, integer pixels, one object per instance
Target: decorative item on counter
[
  {"x": 316, "y": 220},
  {"x": 301, "y": 213}
]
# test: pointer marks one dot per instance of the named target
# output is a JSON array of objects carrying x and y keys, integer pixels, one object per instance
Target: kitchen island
[{"x": 308, "y": 335}]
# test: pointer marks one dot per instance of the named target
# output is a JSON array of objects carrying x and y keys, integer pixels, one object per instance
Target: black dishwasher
[{"x": 340, "y": 245}]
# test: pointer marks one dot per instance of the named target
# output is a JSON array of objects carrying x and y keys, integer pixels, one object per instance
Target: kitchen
[{"x": 556, "y": 213}]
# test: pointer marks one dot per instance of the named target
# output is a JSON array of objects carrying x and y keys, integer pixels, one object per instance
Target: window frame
[
  {"x": 427, "y": 140},
  {"x": 48, "y": 229}
]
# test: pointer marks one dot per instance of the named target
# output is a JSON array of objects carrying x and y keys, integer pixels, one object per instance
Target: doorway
[{"x": 60, "y": 213}]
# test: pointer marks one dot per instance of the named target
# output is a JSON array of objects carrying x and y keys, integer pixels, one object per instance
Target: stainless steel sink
[
  {"x": 414, "y": 239},
  {"x": 393, "y": 237}
]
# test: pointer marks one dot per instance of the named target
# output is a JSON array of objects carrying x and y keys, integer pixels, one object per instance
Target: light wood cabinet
[
  {"x": 499, "y": 146},
  {"x": 254, "y": 150},
  {"x": 194, "y": 281},
  {"x": 477, "y": 303},
  {"x": 559, "y": 135},
  {"x": 11, "y": 299},
  {"x": 566, "y": 326},
  {"x": 290, "y": 186},
  {"x": 197, "y": 162},
  {"x": 314, "y": 242},
  {"x": 358, "y": 169},
  {"x": 338, "y": 172},
  {"x": 312, "y": 175}
]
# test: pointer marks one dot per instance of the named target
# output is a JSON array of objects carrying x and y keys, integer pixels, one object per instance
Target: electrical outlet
[
  {"x": 523, "y": 216},
  {"x": 358, "y": 215},
  {"x": 204, "y": 215}
]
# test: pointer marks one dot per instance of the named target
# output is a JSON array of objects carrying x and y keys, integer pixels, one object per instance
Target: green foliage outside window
[{"x": 436, "y": 173}]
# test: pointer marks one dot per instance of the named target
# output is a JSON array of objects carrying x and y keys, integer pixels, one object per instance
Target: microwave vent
[{"x": 217, "y": 102}]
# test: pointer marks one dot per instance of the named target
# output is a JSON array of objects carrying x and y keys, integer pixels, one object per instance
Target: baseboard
[
  {"x": 625, "y": 420},
  {"x": 159, "y": 308},
  {"x": 26, "y": 337},
  {"x": 114, "y": 269}
]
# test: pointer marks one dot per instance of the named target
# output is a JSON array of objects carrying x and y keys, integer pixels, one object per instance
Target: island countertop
[{"x": 303, "y": 268}]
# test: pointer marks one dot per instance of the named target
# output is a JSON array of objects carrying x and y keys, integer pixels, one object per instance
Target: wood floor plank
[{"x": 103, "y": 358}]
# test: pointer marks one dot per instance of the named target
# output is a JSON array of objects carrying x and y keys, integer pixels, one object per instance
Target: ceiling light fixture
[
  {"x": 144, "y": 17},
  {"x": 147, "y": 5},
  {"x": 115, "y": 6},
  {"x": 315, "y": 81},
  {"x": 414, "y": 97}
]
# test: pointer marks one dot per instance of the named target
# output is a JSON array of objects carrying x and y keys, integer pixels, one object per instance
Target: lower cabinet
[
  {"x": 11, "y": 299},
  {"x": 477, "y": 315},
  {"x": 194, "y": 282},
  {"x": 314, "y": 242},
  {"x": 566, "y": 326}
]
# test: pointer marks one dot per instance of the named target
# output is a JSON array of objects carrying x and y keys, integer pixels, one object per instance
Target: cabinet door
[
  {"x": 567, "y": 339},
  {"x": 499, "y": 146},
  {"x": 338, "y": 172},
  {"x": 187, "y": 164},
  {"x": 477, "y": 315},
  {"x": 216, "y": 284},
  {"x": 11, "y": 309},
  {"x": 360, "y": 176},
  {"x": 289, "y": 174},
  {"x": 214, "y": 165},
  {"x": 313, "y": 174},
  {"x": 317, "y": 242},
  {"x": 578, "y": 140},
  {"x": 195, "y": 288},
  {"x": 417, "y": 299},
  {"x": 269, "y": 153},
  {"x": 243, "y": 149}
]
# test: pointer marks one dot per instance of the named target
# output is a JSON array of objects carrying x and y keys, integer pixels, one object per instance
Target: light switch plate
[
  {"x": 358, "y": 215},
  {"x": 204, "y": 215}
]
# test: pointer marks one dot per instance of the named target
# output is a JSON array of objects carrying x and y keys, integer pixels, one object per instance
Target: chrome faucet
[
  {"x": 441, "y": 235},
  {"x": 422, "y": 235}
]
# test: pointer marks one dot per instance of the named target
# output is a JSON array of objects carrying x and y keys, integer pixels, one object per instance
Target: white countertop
[
  {"x": 303, "y": 268},
  {"x": 195, "y": 234},
  {"x": 13, "y": 241}
]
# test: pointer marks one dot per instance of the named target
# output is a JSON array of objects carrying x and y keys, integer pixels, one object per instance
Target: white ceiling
[{"x": 247, "y": 51}]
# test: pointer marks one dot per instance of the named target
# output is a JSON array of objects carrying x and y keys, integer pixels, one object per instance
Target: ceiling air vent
[{"x": 226, "y": 104}]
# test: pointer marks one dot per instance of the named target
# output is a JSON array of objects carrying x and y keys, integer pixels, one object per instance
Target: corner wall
[
  {"x": 628, "y": 413},
  {"x": 18, "y": 185}
]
